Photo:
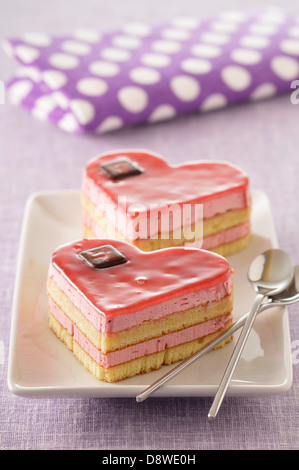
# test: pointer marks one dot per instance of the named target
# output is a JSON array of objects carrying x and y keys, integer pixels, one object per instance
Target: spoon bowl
[
  {"x": 271, "y": 272},
  {"x": 289, "y": 295}
]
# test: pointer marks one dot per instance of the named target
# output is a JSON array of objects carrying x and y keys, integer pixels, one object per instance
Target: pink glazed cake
[
  {"x": 138, "y": 197},
  {"x": 125, "y": 312}
]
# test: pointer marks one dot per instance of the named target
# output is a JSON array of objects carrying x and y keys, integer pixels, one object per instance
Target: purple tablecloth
[{"x": 261, "y": 137}]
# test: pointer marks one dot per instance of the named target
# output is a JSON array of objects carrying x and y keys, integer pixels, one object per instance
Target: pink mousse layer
[
  {"x": 140, "y": 227},
  {"x": 226, "y": 236},
  {"x": 122, "y": 322},
  {"x": 141, "y": 349}
]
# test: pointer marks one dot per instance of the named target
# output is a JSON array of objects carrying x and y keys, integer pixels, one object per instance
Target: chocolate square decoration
[
  {"x": 103, "y": 257},
  {"x": 121, "y": 167}
]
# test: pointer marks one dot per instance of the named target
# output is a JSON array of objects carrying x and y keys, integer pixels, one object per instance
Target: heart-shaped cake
[
  {"x": 123, "y": 311},
  {"x": 138, "y": 197}
]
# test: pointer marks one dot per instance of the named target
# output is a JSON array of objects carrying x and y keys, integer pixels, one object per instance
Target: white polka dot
[
  {"x": 214, "y": 101},
  {"x": 235, "y": 77},
  {"x": 46, "y": 103},
  {"x": 233, "y": 15},
  {"x": 29, "y": 72},
  {"x": 19, "y": 90},
  {"x": 197, "y": 66},
  {"x": 290, "y": 46},
  {"x": 68, "y": 123},
  {"x": 155, "y": 60},
  {"x": 263, "y": 29},
  {"x": 88, "y": 35},
  {"x": 39, "y": 113},
  {"x": 224, "y": 27},
  {"x": 61, "y": 99},
  {"x": 37, "y": 39},
  {"x": 168, "y": 47},
  {"x": 206, "y": 50},
  {"x": 294, "y": 32},
  {"x": 285, "y": 68},
  {"x": 117, "y": 55},
  {"x": 75, "y": 47},
  {"x": 266, "y": 90},
  {"x": 215, "y": 38},
  {"x": 27, "y": 54},
  {"x": 133, "y": 99},
  {"x": 128, "y": 42},
  {"x": 137, "y": 29},
  {"x": 63, "y": 61},
  {"x": 186, "y": 22},
  {"x": 54, "y": 78},
  {"x": 104, "y": 69},
  {"x": 246, "y": 56},
  {"x": 176, "y": 34},
  {"x": 83, "y": 110},
  {"x": 162, "y": 113},
  {"x": 145, "y": 75},
  {"x": 109, "y": 124},
  {"x": 185, "y": 88},
  {"x": 275, "y": 17},
  {"x": 256, "y": 42},
  {"x": 91, "y": 86}
]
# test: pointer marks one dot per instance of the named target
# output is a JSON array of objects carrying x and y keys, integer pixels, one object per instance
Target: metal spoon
[
  {"x": 269, "y": 274},
  {"x": 287, "y": 297}
]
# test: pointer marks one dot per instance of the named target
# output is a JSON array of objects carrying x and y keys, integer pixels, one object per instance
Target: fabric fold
[{"x": 95, "y": 82}]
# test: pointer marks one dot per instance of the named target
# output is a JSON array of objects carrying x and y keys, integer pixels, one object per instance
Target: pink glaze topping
[
  {"x": 163, "y": 185},
  {"x": 143, "y": 281}
]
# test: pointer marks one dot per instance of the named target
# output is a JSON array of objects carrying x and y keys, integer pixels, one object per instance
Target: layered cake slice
[
  {"x": 125, "y": 312},
  {"x": 136, "y": 196}
]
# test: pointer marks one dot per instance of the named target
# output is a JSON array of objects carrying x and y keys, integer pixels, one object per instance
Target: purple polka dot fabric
[{"x": 96, "y": 82}]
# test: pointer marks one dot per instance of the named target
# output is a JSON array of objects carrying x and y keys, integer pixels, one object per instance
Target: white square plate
[{"x": 40, "y": 365}]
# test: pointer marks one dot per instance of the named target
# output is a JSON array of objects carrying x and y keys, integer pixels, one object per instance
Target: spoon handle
[
  {"x": 235, "y": 357},
  {"x": 208, "y": 347}
]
